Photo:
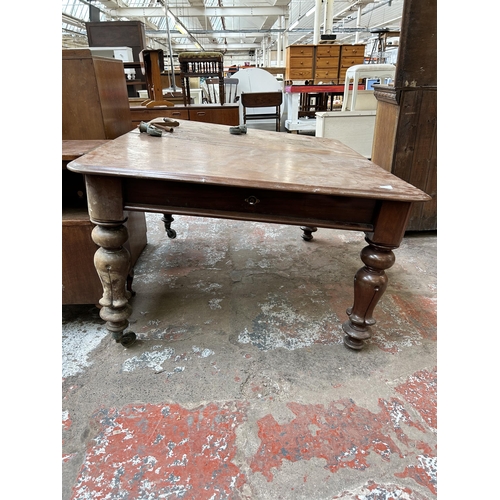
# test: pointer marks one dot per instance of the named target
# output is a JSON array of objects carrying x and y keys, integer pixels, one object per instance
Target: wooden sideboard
[
  {"x": 228, "y": 114},
  {"x": 326, "y": 62}
]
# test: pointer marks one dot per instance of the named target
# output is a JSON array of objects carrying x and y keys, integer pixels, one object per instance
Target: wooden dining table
[{"x": 279, "y": 178}]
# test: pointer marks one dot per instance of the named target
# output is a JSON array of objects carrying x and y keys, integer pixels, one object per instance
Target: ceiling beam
[
  {"x": 206, "y": 22},
  {"x": 201, "y": 11},
  {"x": 73, "y": 21},
  {"x": 219, "y": 32},
  {"x": 244, "y": 33},
  {"x": 221, "y": 47}
]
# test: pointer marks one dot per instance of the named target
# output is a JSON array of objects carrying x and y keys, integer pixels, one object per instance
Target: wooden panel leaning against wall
[
  {"x": 94, "y": 97},
  {"x": 405, "y": 137}
]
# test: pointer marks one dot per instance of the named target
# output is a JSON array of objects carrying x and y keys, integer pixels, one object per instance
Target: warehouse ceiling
[{"x": 242, "y": 29}]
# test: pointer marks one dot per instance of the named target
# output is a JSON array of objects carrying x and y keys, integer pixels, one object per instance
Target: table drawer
[
  {"x": 301, "y": 51},
  {"x": 347, "y": 62},
  {"x": 326, "y": 74},
  {"x": 353, "y": 50},
  {"x": 328, "y": 51},
  {"x": 248, "y": 203},
  {"x": 298, "y": 74},
  {"x": 327, "y": 62},
  {"x": 300, "y": 63}
]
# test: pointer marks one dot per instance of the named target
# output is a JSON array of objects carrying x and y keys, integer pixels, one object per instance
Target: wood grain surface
[{"x": 208, "y": 154}]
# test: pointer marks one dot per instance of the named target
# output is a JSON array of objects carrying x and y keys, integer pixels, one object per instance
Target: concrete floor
[{"x": 239, "y": 386}]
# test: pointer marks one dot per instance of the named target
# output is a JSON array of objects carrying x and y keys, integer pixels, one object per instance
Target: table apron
[{"x": 253, "y": 204}]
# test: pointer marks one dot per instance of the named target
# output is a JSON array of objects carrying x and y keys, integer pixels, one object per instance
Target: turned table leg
[
  {"x": 112, "y": 263},
  {"x": 370, "y": 283}
]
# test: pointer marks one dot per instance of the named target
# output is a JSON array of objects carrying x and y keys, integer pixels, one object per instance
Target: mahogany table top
[{"x": 207, "y": 153}]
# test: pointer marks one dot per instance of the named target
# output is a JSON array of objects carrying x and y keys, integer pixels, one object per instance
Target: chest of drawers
[
  {"x": 350, "y": 56},
  {"x": 326, "y": 63},
  {"x": 300, "y": 62}
]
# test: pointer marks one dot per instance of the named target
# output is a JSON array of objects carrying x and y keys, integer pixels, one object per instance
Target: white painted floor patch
[
  {"x": 280, "y": 326},
  {"x": 203, "y": 353},
  {"x": 215, "y": 303},
  {"x": 77, "y": 343},
  {"x": 154, "y": 359},
  {"x": 429, "y": 464},
  {"x": 149, "y": 359}
]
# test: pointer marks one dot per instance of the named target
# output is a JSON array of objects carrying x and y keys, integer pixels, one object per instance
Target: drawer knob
[{"x": 252, "y": 200}]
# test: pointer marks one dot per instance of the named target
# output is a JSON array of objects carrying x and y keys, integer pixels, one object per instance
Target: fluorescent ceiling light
[
  {"x": 293, "y": 25},
  {"x": 310, "y": 11}
]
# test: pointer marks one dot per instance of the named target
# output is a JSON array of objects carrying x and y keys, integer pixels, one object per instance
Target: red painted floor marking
[
  {"x": 397, "y": 413},
  {"x": 421, "y": 312},
  {"x": 420, "y": 390},
  {"x": 424, "y": 473},
  {"x": 344, "y": 435},
  {"x": 163, "y": 451},
  {"x": 404, "y": 323}
]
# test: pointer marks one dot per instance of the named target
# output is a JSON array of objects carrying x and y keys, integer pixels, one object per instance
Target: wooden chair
[
  {"x": 310, "y": 103},
  {"x": 262, "y": 100},
  {"x": 151, "y": 66},
  {"x": 230, "y": 90},
  {"x": 201, "y": 64}
]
